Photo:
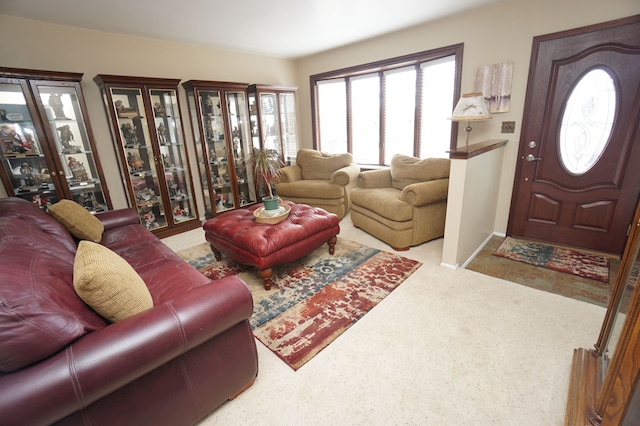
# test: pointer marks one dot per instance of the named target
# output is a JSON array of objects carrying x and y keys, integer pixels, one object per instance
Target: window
[{"x": 395, "y": 106}]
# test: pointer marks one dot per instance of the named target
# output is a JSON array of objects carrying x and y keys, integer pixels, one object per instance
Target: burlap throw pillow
[
  {"x": 77, "y": 220},
  {"x": 108, "y": 284}
]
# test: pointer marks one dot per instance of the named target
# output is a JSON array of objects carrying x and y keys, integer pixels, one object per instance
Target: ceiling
[{"x": 279, "y": 28}]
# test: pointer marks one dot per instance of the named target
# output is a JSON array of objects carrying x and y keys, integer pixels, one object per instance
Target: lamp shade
[{"x": 471, "y": 106}]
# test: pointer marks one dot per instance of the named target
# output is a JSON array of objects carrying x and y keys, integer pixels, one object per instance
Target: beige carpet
[{"x": 445, "y": 348}]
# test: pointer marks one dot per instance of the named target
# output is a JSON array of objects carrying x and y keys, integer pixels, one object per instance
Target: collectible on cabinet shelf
[
  {"x": 66, "y": 136},
  {"x": 129, "y": 133},
  {"x": 55, "y": 102},
  {"x": 135, "y": 162},
  {"x": 124, "y": 111}
]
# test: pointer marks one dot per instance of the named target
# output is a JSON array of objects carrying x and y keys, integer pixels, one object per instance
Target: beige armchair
[
  {"x": 319, "y": 180},
  {"x": 404, "y": 205}
]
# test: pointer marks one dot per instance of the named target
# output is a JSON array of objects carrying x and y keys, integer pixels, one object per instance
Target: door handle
[{"x": 531, "y": 158}]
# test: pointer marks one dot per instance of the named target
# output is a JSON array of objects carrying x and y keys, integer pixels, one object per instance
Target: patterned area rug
[
  {"x": 560, "y": 259},
  {"x": 315, "y": 299}
]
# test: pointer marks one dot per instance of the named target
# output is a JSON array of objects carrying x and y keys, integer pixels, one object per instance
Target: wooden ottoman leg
[
  {"x": 216, "y": 252},
  {"x": 332, "y": 244},
  {"x": 266, "y": 274}
]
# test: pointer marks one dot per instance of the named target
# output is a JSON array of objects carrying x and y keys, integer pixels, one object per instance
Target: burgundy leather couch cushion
[{"x": 39, "y": 310}]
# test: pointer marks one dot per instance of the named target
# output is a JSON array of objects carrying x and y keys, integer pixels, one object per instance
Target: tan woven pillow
[
  {"x": 108, "y": 284},
  {"x": 77, "y": 220}
]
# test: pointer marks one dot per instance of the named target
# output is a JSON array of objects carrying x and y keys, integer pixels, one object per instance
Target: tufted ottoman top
[{"x": 239, "y": 228}]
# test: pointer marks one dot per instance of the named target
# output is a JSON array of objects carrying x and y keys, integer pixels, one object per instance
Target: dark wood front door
[{"x": 578, "y": 174}]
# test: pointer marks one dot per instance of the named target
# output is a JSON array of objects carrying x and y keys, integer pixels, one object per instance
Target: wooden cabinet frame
[{"x": 604, "y": 391}]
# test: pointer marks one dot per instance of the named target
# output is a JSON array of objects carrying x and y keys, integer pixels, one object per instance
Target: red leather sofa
[{"x": 62, "y": 363}]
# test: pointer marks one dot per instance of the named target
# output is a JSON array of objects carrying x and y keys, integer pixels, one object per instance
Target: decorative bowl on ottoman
[{"x": 274, "y": 216}]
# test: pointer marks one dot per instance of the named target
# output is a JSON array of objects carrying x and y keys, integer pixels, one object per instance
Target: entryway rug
[
  {"x": 314, "y": 300},
  {"x": 592, "y": 266}
]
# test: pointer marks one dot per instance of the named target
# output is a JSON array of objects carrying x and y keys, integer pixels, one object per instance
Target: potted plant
[{"x": 267, "y": 163}]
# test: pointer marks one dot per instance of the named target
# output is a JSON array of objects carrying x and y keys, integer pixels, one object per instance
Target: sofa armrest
[
  {"x": 116, "y": 218},
  {"x": 110, "y": 358},
  {"x": 422, "y": 193},
  {"x": 290, "y": 174},
  {"x": 375, "y": 179},
  {"x": 345, "y": 175}
]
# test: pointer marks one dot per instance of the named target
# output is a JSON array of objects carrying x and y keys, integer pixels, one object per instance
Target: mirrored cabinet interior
[
  {"x": 47, "y": 147},
  {"x": 221, "y": 129},
  {"x": 605, "y": 380},
  {"x": 145, "y": 121},
  {"x": 273, "y": 119}
]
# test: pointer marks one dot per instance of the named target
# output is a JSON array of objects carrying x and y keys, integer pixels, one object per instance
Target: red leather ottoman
[{"x": 238, "y": 236}]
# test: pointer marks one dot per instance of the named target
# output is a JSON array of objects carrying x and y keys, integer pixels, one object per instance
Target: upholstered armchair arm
[
  {"x": 375, "y": 179},
  {"x": 345, "y": 175},
  {"x": 290, "y": 174},
  {"x": 422, "y": 193}
]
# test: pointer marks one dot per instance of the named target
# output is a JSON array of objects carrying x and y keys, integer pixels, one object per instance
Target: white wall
[
  {"x": 497, "y": 33},
  {"x": 41, "y": 46},
  {"x": 471, "y": 206}
]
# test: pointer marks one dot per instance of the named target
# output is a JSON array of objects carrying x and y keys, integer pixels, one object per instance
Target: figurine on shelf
[
  {"x": 124, "y": 111},
  {"x": 180, "y": 213},
  {"x": 89, "y": 202},
  {"x": 165, "y": 161},
  {"x": 40, "y": 200},
  {"x": 77, "y": 169},
  {"x": 28, "y": 143},
  {"x": 211, "y": 106},
  {"x": 66, "y": 136},
  {"x": 158, "y": 110},
  {"x": 208, "y": 130},
  {"x": 27, "y": 174},
  {"x": 173, "y": 190},
  {"x": 146, "y": 197},
  {"x": 135, "y": 162},
  {"x": 219, "y": 181},
  {"x": 45, "y": 176},
  {"x": 149, "y": 220},
  {"x": 55, "y": 102},
  {"x": 220, "y": 202},
  {"x": 129, "y": 133},
  {"x": 12, "y": 141},
  {"x": 162, "y": 134},
  {"x": 243, "y": 199}
]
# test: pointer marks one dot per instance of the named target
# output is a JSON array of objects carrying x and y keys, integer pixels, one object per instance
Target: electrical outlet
[{"x": 508, "y": 126}]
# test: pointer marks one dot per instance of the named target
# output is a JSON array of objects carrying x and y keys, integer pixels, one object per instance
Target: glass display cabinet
[
  {"x": 144, "y": 115},
  {"x": 220, "y": 123},
  {"x": 273, "y": 119},
  {"x": 47, "y": 147}
]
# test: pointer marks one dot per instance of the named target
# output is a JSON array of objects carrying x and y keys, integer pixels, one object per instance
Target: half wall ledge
[{"x": 472, "y": 201}]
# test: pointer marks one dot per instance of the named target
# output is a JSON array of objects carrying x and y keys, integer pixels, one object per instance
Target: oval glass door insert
[{"x": 587, "y": 121}]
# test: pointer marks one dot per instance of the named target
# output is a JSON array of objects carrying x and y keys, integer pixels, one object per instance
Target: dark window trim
[{"x": 381, "y": 66}]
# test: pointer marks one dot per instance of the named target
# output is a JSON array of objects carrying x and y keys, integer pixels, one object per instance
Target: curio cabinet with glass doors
[
  {"x": 221, "y": 128},
  {"x": 46, "y": 144},
  {"x": 144, "y": 115}
]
